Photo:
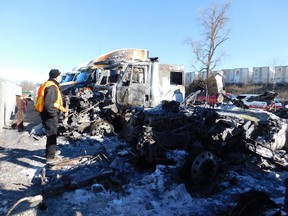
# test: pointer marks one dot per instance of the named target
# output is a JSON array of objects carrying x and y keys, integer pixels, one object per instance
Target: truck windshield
[
  {"x": 63, "y": 78},
  {"x": 83, "y": 76},
  {"x": 69, "y": 77}
]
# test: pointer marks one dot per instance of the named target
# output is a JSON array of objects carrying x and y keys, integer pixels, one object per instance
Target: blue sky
[{"x": 37, "y": 36}]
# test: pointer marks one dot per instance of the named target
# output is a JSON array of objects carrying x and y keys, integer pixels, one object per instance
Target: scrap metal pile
[
  {"x": 153, "y": 125},
  {"x": 74, "y": 173},
  {"x": 85, "y": 115},
  {"x": 142, "y": 106},
  {"x": 207, "y": 135},
  {"x": 141, "y": 102}
]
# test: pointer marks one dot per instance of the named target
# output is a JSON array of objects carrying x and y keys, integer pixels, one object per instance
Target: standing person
[{"x": 49, "y": 103}]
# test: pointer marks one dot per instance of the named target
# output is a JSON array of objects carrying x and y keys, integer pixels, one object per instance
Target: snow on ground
[
  {"x": 140, "y": 192},
  {"x": 162, "y": 192},
  {"x": 150, "y": 192}
]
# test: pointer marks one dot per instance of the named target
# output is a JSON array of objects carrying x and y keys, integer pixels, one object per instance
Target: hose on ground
[{"x": 33, "y": 201}]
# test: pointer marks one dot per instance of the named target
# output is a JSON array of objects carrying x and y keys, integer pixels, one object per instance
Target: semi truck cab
[{"x": 144, "y": 83}]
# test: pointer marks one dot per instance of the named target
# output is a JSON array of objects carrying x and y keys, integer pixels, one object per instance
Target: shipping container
[
  {"x": 262, "y": 75},
  {"x": 281, "y": 75},
  {"x": 228, "y": 76},
  {"x": 242, "y": 75}
]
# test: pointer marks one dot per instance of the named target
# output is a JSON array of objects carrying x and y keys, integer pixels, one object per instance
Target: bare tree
[
  {"x": 213, "y": 21},
  {"x": 26, "y": 85}
]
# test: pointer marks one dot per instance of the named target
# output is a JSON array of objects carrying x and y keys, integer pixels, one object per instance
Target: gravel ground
[
  {"x": 158, "y": 192},
  {"x": 20, "y": 157},
  {"x": 22, "y": 160}
]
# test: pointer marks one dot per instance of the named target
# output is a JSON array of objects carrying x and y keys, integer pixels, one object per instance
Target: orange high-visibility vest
[{"x": 40, "y": 97}]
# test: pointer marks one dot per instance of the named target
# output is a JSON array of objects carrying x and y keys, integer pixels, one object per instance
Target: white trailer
[
  {"x": 228, "y": 76},
  {"x": 203, "y": 75},
  {"x": 262, "y": 75},
  {"x": 242, "y": 75},
  {"x": 189, "y": 77},
  {"x": 281, "y": 75}
]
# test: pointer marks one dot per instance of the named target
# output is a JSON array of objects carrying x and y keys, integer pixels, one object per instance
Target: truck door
[{"x": 133, "y": 89}]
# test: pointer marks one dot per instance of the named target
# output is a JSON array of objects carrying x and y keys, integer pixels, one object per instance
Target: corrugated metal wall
[{"x": 8, "y": 92}]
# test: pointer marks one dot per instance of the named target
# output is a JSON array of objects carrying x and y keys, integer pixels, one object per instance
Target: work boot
[{"x": 57, "y": 152}]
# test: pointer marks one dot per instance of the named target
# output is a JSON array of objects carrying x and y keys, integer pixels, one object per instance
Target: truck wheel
[
  {"x": 203, "y": 168},
  {"x": 100, "y": 128}
]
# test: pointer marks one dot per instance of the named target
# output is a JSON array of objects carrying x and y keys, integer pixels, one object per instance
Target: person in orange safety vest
[{"x": 49, "y": 103}]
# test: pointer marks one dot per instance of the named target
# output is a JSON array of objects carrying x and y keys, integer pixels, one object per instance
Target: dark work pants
[{"x": 50, "y": 125}]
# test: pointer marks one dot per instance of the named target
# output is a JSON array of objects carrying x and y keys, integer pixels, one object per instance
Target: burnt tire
[
  {"x": 200, "y": 167},
  {"x": 101, "y": 128},
  {"x": 203, "y": 168}
]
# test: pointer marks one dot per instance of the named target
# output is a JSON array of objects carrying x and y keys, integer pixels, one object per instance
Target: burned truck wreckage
[
  {"x": 201, "y": 142},
  {"x": 142, "y": 102}
]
